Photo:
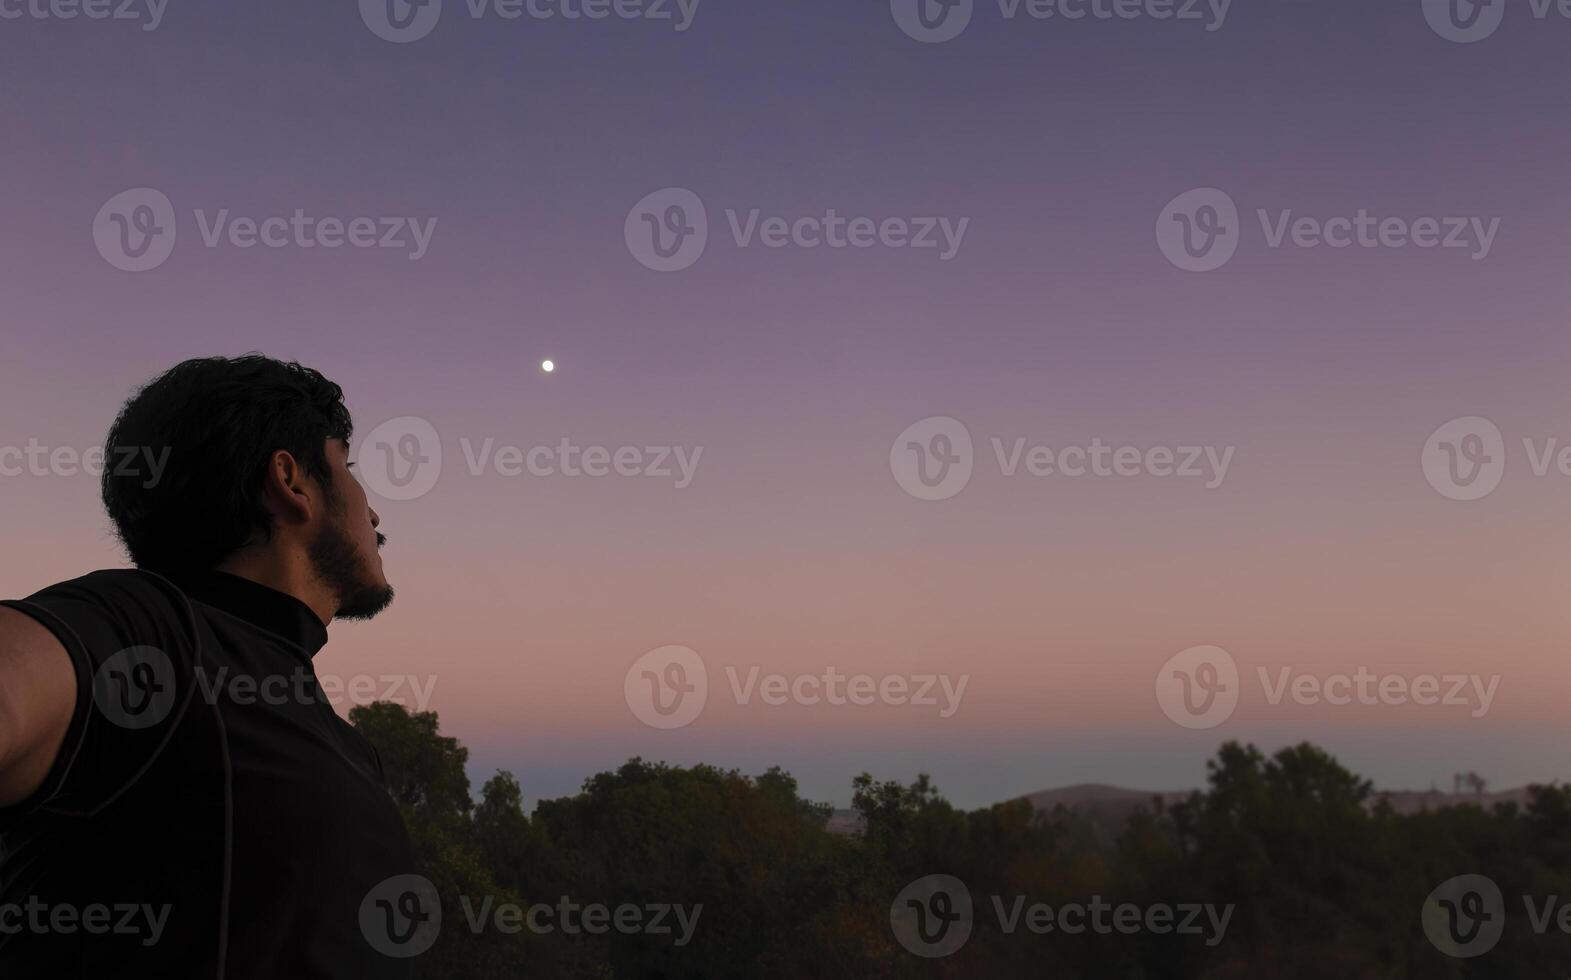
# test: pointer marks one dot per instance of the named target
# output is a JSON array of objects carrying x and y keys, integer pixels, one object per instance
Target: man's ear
[{"x": 287, "y": 492}]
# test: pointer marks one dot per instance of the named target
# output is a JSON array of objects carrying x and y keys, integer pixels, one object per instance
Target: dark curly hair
[{"x": 219, "y": 419}]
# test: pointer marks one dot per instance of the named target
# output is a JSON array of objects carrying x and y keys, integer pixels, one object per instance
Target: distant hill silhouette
[
  {"x": 1418, "y": 801},
  {"x": 1113, "y": 805},
  {"x": 1117, "y": 803},
  {"x": 1097, "y": 800}
]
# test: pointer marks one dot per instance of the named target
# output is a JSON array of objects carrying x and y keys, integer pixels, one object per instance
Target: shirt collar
[{"x": 277, "y": 612}]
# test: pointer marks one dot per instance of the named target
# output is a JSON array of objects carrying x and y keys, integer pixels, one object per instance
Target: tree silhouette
[{"x": 1320, "y": 880}]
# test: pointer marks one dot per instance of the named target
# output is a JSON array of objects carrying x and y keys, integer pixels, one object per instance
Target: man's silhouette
[{"x": 177, "y": 797}]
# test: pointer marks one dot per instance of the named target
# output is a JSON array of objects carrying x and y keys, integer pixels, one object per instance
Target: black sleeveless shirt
[{"x": 209, "y": 815}]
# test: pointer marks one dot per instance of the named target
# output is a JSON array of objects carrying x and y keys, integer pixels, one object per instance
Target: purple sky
[{"x": 1057, "y": 320}]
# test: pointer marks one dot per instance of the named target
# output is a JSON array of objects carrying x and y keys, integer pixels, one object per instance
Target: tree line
[{"x": 660, "y": 872}]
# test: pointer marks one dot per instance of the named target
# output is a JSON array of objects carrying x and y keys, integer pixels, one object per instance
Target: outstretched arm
[{"x": 37, "y": 698}]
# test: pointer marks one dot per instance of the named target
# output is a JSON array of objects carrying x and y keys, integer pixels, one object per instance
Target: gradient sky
[{"x": 1059, "y": 321}]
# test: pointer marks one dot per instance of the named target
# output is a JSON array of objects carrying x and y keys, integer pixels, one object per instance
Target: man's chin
[{"x": 366, "y": 603}]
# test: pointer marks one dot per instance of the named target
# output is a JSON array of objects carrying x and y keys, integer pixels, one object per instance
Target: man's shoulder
[
  {"x": 127, "y": 583},
  {"x": 125, "y": 605}
]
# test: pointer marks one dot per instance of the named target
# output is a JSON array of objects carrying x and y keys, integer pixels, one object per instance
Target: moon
[{"x": 548, "y": 366}]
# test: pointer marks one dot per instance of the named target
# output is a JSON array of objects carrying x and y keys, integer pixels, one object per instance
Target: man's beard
[{"x": 338, "y": 563}]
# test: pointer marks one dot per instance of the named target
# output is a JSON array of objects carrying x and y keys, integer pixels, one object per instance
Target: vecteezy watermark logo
[
  {"x": 1465, "y": 459},
  {"x": 668, "y": 230},
  {"x": 932, "y": 916},
  {"x": 401, "y": 21},
  {"x": 1200, "y": 230},
  {"x": 305, "y": 686},
  {"x": 136, "y": 687},
  {"x": 1466, "y": 21},
  {"x": 401, "y": 916},
  {"x": 149, "y": 12},
  {"x": 401, "y": 459},
  {"x": 932, "y": 21},
  {"x": 135, "y": 230},
  {"x": 1465, "y": 916},
  {"x": 667, "y": 688},
  {"x": 1199, "y": 687},
  {"x": 932, "y": 459}
]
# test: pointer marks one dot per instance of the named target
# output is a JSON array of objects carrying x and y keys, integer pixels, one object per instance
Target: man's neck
[{"x": 282, "y": 574}]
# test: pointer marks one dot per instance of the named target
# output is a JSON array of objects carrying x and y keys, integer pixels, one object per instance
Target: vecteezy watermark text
[
  {"x": 934, "y": 916},
  {"x": 136, "y": 231},
  {"x": 404, "y": 21},
  {"x": 568, "y": 459},
  {"x": 1199, "y": 688},
  {"x": 936, "y": 21},
  {"x": 149, "y": 13},
  {"x": 1200, "y": 230},
  {"x": 933, "y": 460},
  {"x": 669, "y": 686},
  {"x": 126, "y": 919},
  {"x": 402, "y": 459},
  {"x": 402, "y": 917},
  {"x": 592, "y": 918},
  {"x": 668, "y": 231},
  {"x": 138, "y": 687},
  {"x": 124, "y": 462}
]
